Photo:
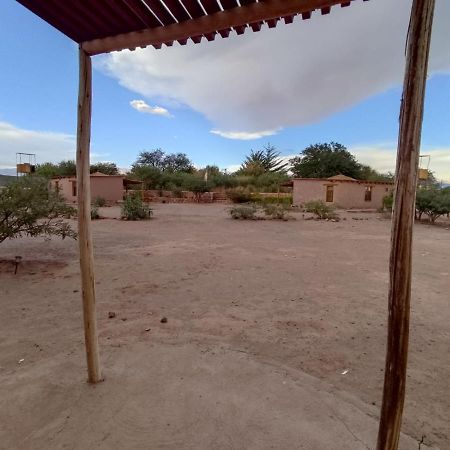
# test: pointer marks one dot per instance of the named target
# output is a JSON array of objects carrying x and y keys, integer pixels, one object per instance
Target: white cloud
[
  {"x": 382, "y": 157},
  {"x": 48, "y": 146},
  {"x": 142, "y": 107},
  {"x": 294, "y": 75},
  {"x": 244, "y": 135}
]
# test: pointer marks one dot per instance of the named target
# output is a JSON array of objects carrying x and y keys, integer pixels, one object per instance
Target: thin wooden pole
[
  {"x": 84, "y": 217},
  {"x": 411, "y": 115}
]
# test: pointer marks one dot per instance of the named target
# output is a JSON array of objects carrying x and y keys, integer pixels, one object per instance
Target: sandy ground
[{"x": 263, "y": 320}]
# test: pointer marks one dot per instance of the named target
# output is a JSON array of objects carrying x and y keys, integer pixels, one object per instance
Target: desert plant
[
  {"x": 320, "y": 209},
  {"x": 134, "y": 208},
  {"x": 388, "y": 202},
  {"x": 274, "y": 200},
  {"x": 99, "y": 202},
  {"x": 433, "y": 202},
  {"x": 279, "y": 212},
  {"x": 244, "y": 212},
  {"x": 239, "y": 195},
  {"x": 28, "y": 207},
  {"x": 94, "y": 213}
]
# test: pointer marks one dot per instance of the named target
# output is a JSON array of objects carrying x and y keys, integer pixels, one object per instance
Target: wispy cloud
[
  {"x": 244, "y": 135},
  {"x": 143, "y": 107},
  {"x": 48, "y": 146}
]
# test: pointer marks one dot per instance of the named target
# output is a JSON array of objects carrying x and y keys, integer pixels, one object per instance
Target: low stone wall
[{"x": 162, "y": 196}]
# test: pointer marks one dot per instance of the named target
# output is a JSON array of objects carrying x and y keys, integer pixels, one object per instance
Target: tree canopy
[
  {"x": 172, "y": 162},
  {"x": 69, "y": 169},
  {"x": 325, "y": 160},
  {"x": 263, "y": 161}
]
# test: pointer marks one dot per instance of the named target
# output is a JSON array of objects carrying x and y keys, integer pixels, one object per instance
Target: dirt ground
[{"x": 275, "y": 337}]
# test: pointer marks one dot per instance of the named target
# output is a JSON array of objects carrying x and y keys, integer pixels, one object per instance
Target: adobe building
[
  {"x": 341, "y": 191},
  {"x": 109, "y": 187}
]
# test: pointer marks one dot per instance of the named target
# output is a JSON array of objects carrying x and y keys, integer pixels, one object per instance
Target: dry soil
[{"x": 275, "y": 335}]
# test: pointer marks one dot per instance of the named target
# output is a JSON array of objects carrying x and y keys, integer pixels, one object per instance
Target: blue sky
[{"x": 39, "y": 81}]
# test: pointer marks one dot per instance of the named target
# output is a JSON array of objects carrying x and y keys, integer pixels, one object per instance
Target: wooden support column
[
  {"x": 411, "y": 115},
  {"x": 84, "y": 217}
]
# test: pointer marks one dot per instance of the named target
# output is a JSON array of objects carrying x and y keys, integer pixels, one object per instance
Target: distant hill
[{"x": 5, "y": 179}]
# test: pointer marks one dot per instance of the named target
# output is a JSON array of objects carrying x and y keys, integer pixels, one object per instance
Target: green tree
[
  {"x": 262, "y": 161},
  {"x": 324, "y": 161},
  {"x": 28, "y": 207},
  {"x": 432, "y": 202},
  {"x": 107, "y": 168},
  {"x": 47, "y": 170},
  {"x": 67, "y": 168},
  {"x": 154, "y": 158},
  {"x": 149, "y": 174},
  {"x": 172, "y": 162}
]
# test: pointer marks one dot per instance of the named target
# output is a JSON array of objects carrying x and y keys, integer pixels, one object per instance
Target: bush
[
  {"x": 244, "y": 212},
  {"x": 28, "y": 207},
  {"x": 239, "y": 195},
  {"x": 94, "y": 213},
  {"x": 279, "y": 212},
  {"x": 320, "y": 209},
  {"x": 99, "y": 202},
  {"x": 432, "y": 202},
  {"x": 274, "y": 200},
  {"x": 388, "y": 202},
  {"x": 133, "y": 208}
]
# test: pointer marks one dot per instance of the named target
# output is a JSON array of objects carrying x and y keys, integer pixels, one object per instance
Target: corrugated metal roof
[{"x": 107, "y": 25}]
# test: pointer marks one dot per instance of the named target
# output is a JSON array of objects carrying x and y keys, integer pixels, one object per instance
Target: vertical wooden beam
[
  {"x": 84, "y": 217},
  {"x": 411, "y": 115}
]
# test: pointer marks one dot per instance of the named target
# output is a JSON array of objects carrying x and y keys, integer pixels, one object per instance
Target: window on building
[
  {"x": 330, "y": 192},
  {"x": 368, "y": 194},
  {"x": 74, "y": 188}
]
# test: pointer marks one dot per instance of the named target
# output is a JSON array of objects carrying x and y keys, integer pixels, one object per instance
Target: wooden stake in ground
[
  {"x": 84, "y": 217},
  {"x": 411, "y": 115}
]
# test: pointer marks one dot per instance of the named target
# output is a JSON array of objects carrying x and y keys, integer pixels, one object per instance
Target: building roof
[
  {"x": 343, "y": 180},
  {"x": 341, "y": 177},
  {"x": 101, "y": 26}
]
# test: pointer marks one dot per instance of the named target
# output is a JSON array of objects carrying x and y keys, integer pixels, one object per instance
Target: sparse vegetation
[
  {"x": 28, "y": 207},
  {"x": 388, "y": 202},
  {"x": 279, "y": 212},
  {"x": 239, "y": 195},
  {"x": 99, "y": 202},
  {"x": 244, "y": 212},
  {"x": 134, "y": 208},
  {"x": 94, "y": 213},
  {"x": 321, "y": 210},
  {"x": 255, "y": 211}
]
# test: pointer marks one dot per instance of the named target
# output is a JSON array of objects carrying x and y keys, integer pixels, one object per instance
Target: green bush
[
  {"x": 432, "y": 202},
  {"x": 133, "y": 208},
  {"x": 239, "y": 195},
  {"x": 279, "y": 212},
  {"x": 99, "y": 202},
  {"x": 388, "y": 202},
  {"x": 274, "y": 200},
  {"x": 28, "y": 207},
  {"x": 320, "y": 209},
  {"x": 94, "y": 213},
  {"x": 244, "y": 212}
]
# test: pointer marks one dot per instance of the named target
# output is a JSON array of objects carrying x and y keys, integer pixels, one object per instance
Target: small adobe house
[
  {"x": 100, "y": 27},
  {"x": 109, "y": 187},
  {"x": 341, "y": 191}
]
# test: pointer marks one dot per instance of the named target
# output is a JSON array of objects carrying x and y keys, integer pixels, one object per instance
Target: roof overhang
[{"x": 102, "y": 26}]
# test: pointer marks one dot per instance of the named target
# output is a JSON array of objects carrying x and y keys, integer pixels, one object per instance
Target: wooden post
[
  {"x": 84, "y": 217},
  {"x": 411, "y": 115}
]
